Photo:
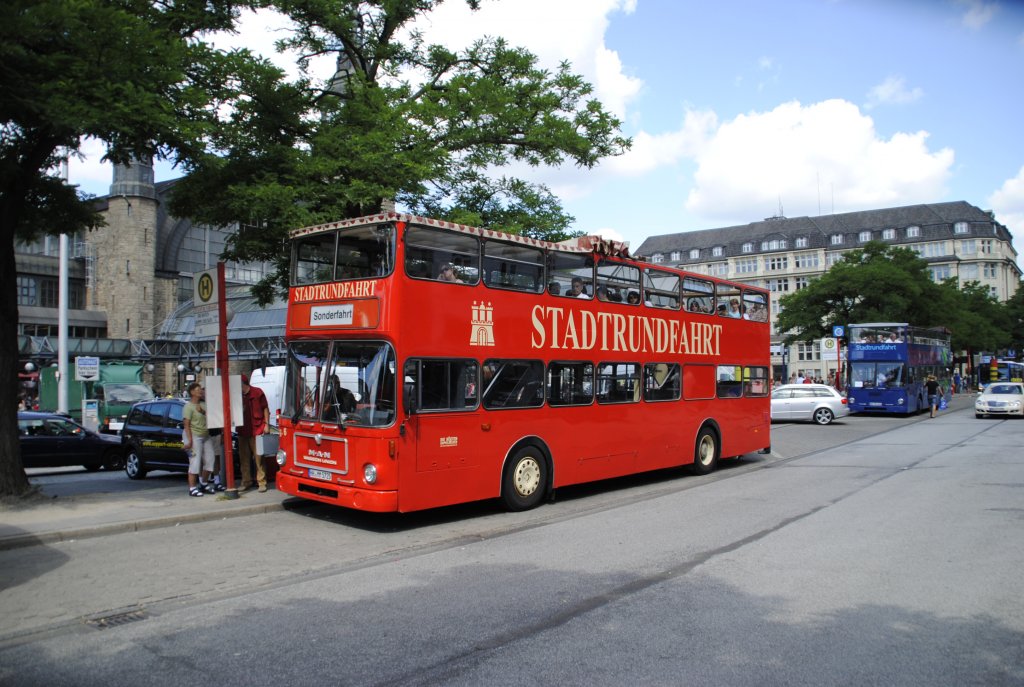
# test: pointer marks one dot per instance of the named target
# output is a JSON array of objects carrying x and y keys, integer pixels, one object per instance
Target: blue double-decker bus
[{"x": 888, "y": 364}]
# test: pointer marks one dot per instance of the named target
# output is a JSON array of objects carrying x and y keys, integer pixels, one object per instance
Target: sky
[{"x": 743, "y": 109}]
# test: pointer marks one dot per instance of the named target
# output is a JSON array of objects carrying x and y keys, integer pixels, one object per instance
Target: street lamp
[{"x": 181, "y": 370}]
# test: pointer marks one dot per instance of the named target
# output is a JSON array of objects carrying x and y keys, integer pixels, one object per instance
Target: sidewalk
[{"x": 42, "y": 521}]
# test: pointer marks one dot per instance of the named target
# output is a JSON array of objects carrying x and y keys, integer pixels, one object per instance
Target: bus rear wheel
[
  {"x": 524, "y": 480},
  {"x": 705, "y": 452}
]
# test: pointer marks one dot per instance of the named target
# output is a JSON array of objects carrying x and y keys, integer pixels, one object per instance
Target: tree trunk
[{"x": 13, "y": 481}]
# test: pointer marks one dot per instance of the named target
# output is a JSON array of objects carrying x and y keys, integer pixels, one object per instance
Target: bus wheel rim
[
  {"x": 527, "y": 476},
  {"x": 707, "y": 450}
]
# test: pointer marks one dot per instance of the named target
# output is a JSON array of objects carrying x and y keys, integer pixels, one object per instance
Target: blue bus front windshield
[{"x": 880, "y": 375}]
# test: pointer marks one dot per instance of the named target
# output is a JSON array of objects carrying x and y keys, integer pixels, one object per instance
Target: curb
[{"x": 42, "y": 538}]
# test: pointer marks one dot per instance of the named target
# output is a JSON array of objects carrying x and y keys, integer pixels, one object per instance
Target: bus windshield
[
  {"x": 878, "y": 375},
  {"x": 344, "y": 382},
  {"x": 356, "y": 253}
]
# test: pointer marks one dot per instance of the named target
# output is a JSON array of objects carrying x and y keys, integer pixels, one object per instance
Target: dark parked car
[
  {"x": 53, "y": 440},
  {"x": 151, "y": 437}
]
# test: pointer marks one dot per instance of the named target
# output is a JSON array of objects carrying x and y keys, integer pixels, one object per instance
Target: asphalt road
[{"x": 873, "y": 551}]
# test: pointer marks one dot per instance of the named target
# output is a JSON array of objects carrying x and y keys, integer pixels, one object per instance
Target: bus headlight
[
  {"x": 282, "y": 457},
  {"x": 370, "y": 473}
]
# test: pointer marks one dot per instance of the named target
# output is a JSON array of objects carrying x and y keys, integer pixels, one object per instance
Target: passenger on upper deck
[
  {"x": 633, "y": 298},
  {"x": 579, "y": 289},
  {"x": 448, "y": 274}
]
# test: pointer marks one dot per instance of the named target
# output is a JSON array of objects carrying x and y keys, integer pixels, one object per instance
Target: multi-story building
[
  {"x": 784, "y": 254},
  {"x": 130, "y": 287}
]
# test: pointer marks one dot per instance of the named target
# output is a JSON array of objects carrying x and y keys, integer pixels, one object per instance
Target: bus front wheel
[
  {"x": 525, "y": 478},
  {"x": 705, "y": 453}
]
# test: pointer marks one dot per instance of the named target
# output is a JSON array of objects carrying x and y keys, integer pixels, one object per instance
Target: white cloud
[
  {"x": 652, "y": 151},
  {"x": 977, "y": 13},
  {"x": 825, "y": 155},
  {"x": 570, "y": 30},
  {"x": 1008, "y": 203},
  {"x": 892, "y": 91}
]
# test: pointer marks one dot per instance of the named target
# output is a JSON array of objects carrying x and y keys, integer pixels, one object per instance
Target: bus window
[
  {"x": 571, "y": 274},
  {"x": 729, "y": 381},
  {"x": 511, "y": 266},
  {"x": 365, "y": 252},
  {"x": 618, "y": 383},
  {"x": 314, "y": 258},
  {"x": 698, "y": 295},
  {"x": 729, "y": 304},
  {"x": 570, "y": 383},
  {"x": 754, "y": 306},
  {"x": 755, "y": 381},
  {"x": 513, "y": 383},
  {"x": 429, "y": 251},
  {"x": 662, "y": 382},
  {"x": 661, "y": 289},
  {"x": 437, "y": 385},
  {"x": 304, "y": 379},
  {"x": 615, "y": 281}
]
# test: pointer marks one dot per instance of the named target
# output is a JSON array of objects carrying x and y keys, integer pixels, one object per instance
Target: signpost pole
[{"x": 222, "y": 363}]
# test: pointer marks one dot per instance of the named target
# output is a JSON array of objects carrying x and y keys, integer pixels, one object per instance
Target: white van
[{"x": 270, "y": 380}]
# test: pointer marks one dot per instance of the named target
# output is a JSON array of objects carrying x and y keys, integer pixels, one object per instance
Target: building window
[
  {"x": 961, "y": 228},
  {"x": 940, "y": 273},
  {"x": 991, "y": 269},
  {"x": 968, "y": 247},
  {"x": 748, "y": 247},
  {"x": 864, "y": 236},
  {"x": 717, "y": 251},
  {"x": 657, "y": 257},
  {"x": 694, "y": 253},
  {"x": 776, "y": 263},
  {"x": 931, "y": 250},
  {"x": 888, "y": 234},
  {"x": 26, "y": 291},
  {"x": 778, "y": 285},
  {"x": 746, "y": 265},
  {"x": 806, "y": 260},
  {"x": 801, "y": 283},
  {"x": 837, "y": 239},
  {"x": 913, "y": 232},
  {"x": 969, "y": 272},
  {"x": 801, "y": 242},
  {"x": 808, "y": 351},
  {"x": 774, "y": 244},
  {"x": 718, "y": 269},
  {"x": 675, "y": 255},
  {"x": 832, "y": 258},
  {"x": 985, "y": 246},
  {"x": 48, "y": 293}
]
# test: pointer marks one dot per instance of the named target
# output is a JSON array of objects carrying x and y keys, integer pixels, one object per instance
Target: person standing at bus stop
[
  {"x": 933, "y": 393},
  {"x": 255, "y": 422},
  {"x": 195, "y": 438}
]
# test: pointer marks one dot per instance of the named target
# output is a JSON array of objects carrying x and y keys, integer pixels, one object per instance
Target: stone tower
[{"x": 125, "y": 253}]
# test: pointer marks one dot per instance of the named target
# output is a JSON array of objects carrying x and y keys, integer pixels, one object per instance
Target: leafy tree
[
  {"x": 976, "y": 319},
  {"x": 401, "y": 121},
  {"x": 132, "y": 73},
  {"x": 876, "y": 283},
  {"x": 1014, "y": 310}
]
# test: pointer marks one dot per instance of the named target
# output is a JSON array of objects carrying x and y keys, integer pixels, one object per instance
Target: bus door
[{"x": 447, "y": 427}]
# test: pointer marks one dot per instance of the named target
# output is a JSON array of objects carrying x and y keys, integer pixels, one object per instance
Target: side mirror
[{"x": 409, "y": 398}]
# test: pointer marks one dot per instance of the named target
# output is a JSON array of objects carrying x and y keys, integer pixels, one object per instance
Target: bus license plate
[{"x": 320, "y": 474}]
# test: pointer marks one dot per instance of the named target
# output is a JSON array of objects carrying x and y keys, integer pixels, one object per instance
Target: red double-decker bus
[{"x": 431, "y": 363}]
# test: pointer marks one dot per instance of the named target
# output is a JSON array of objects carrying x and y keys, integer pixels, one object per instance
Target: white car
[
  {"x": 818, "y": 403},
  {"x": 1000, "y": 398}
]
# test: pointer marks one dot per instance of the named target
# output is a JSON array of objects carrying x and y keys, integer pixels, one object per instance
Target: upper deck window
[
  {"x": 355, "y": 253},
  {"x": 616, "y": 281},
  {"x": 661, "y": 289},
  {"x": 699, "y": 295},
  {"x": 571, "y": 274},
  {"x": 511, "y": 266},
  {"x": 429, "y": 252}
]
